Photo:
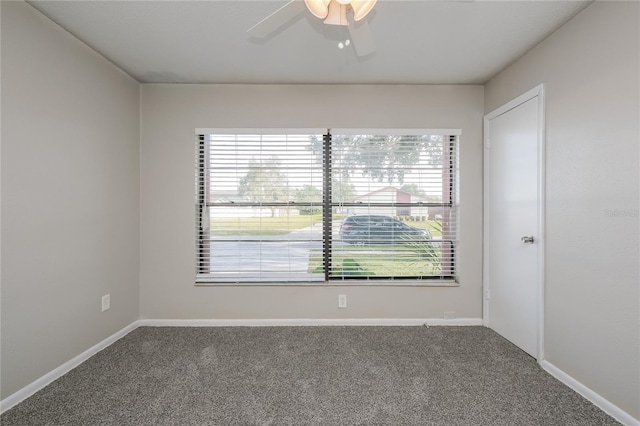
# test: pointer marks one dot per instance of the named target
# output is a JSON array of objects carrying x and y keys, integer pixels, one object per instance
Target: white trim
[
  {"x": 261, "y": 131},
  {"x": 45, "y": 380},
  {"x": 445, "y": 282},
  {"x": 538, "y": 92},
  {"x": 486, "y": 189},
  {"x": 320, "y": 131},
  {"x": 396, "y": 132},
  {"x": 528, "y": 95},
  {"x": 542, "y": 209},
  {"x": 608, "y": 407},
  {"x": 307, "y": 322}
]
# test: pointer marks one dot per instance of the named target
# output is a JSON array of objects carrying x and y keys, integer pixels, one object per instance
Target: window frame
[{"x": 327, "y": 205}]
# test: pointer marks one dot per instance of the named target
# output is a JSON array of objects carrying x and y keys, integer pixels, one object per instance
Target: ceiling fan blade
[
  {"x": 277, "y": 19},
  {"x": 361, "y": 37}
]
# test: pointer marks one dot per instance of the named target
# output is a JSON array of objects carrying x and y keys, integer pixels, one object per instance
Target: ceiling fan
[{"x": 349, "y": 13}]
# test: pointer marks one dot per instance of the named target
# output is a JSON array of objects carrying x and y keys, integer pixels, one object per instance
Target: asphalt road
[{"x": 267, "y": 255}]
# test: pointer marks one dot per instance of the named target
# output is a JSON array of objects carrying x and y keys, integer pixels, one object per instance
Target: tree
[
  {"x": 308, "y": 194},
  {"x": 414, "y": 189},
  {"x": 383, "y": 158},
  {"x": 265, "y": 183},
  {"x": 342, "y": 190}
]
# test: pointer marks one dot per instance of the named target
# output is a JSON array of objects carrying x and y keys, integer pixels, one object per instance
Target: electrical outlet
[
  {"x": 450, "y": 315},
  {"x": 342, "y": 301},
  {"x": 106, "y": 302}
]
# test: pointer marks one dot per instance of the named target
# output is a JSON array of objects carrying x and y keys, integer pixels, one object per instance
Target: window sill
[{"x": 338, "y": 283}]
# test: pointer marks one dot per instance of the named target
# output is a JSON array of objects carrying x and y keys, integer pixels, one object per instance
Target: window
[{"x": 313, "y": 207}]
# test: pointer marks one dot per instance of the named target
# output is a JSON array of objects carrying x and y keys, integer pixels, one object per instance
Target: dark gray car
[{"x": 379, "y": 229}]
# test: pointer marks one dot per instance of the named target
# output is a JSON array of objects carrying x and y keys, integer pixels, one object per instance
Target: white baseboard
[
  {"x": 43, "y": 381},
  {"x": 308, "y": 322},
  {"x": 606, "y": 406}
]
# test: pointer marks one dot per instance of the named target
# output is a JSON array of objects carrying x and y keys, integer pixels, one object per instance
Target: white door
[{"x": 513, "y": 209}]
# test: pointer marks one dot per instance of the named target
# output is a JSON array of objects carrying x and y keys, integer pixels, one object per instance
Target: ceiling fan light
[
  {"x": 361, "y": 8},
  {"x": 319, "y": 8},
  {"x": 337, "y": 14}
]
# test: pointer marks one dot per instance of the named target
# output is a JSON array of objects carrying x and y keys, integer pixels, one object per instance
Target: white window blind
[
  {"x": 311, "y": 207},
  {"x": 395, "y": 195},
  {"x": 259, "y": 208}
]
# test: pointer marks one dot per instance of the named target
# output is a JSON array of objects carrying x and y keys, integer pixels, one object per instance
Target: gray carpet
[{"x": 308, "y": 376}]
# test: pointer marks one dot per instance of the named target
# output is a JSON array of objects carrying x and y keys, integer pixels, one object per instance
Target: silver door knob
[{"x": 527, "y": 239}]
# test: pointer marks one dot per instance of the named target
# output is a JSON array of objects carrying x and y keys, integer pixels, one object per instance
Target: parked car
[{"x": 378, "y": 229}]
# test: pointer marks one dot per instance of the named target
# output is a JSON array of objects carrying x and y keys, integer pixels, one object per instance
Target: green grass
[
  {"x": 262, "y": 225},
  {"x": 387, "y": 260}
]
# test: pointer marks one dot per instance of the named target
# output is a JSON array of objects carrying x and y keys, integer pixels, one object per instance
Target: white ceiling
[{"x": 418, "y": 42}]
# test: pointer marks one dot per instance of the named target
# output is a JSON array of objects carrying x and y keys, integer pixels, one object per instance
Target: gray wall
[
  {"x": 591, "y": 71},
  {"x": 70, "y": 193},
  {"x": 170, "y": 115}
]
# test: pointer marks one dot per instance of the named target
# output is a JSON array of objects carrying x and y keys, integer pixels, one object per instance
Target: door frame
[{"x": 536, "y": 92}]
